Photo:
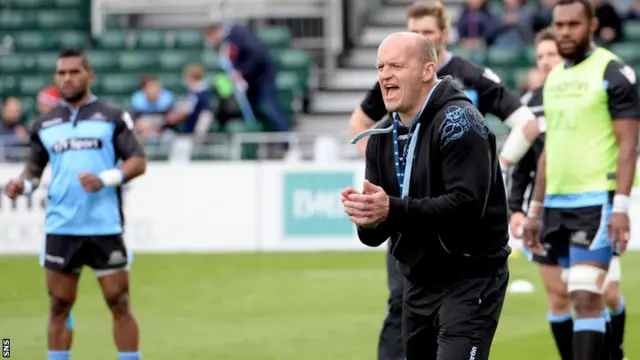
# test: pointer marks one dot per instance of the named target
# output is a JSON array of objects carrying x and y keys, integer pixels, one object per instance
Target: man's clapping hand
[{"x": 368, "y": 209}]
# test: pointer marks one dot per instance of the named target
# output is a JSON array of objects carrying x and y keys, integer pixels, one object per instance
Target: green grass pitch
[{"x": 289, "y": 306}]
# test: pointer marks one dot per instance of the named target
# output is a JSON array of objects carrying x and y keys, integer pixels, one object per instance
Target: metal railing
[{"x": 329, "y": 12}]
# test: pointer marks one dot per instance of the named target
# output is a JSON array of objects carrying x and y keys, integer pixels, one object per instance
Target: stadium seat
[
  {"x": 28, "y": 107},
  {"x": 530, "y": 55},
  {"x": 504, "y": 57},
  {"x": 138, "y": 61},
  {"x": 176, "y": 60},
  {"x": 17, "y": 20},
  {"x": 506, "y": 74},
  {"x": 211, "y": 60},
  {"x": 44, "y": 4},
  {"x": 275, "y": 37},
  {"x": 474, "y": 56},
  {"x": 8, "y": 85},
  {"x": 103, "y": 61},
  {"x": 113, "y": 40},
  {"x": 150, "y": 39},
  {"x": 31, "y": 85},
  {"x": 47, "y": 40},
  {"x": 61, "y": 19},
  {"x": 288, "y": 84},
  {"x": 628, "y": 51},
  {"x": 16, "y": 64},
  {"x": 123, "y": 101},
  {"x": 187, "y": 39},
  {"x": 298, "y": 61},
  {"x": 117, "y": 84},
  {"x": 172, "y": 81},
  {"x": 46, "y": 63},
  {"x": 632, "y": 30}
]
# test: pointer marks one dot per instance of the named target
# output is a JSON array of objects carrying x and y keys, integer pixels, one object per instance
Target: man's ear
[{"x": 428, "y": 71}]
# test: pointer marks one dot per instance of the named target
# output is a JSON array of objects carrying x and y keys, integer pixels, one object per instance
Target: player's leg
[
  {"x": 554, "y": 263},
  {"x": 419, "y": 334},
  {"x": 469, "y": 317},
  {"x": 590, "y": 254},
  {"x": 61, "y": 261},
  {"x": 68, "y": 333},
  {"x": 390, "y": 343},
  {"x": 110, "y": 262},
  {"x": 616, "y": 305}
]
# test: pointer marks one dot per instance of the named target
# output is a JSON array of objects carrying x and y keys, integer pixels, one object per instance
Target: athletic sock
[
  {"x": 618, "y": 317},
  {"x": 562, "y": 329},
  {"x": 58, "y": 355},
  {"x": 128, "y": 356},
  {"x": 608, "y": 342},
  {"x": 589, "y": 338}
]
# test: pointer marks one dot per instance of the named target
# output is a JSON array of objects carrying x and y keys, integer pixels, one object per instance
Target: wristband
[
  {"x": 112, "y": 177},
  {"x": 621, "y": 203},
  {"x": 27, "y": 187}
]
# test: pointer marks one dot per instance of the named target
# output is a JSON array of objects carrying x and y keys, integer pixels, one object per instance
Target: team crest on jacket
[{"x": 458, "y": 120}]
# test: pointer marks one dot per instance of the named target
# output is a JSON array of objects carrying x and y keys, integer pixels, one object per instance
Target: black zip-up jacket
[{"x": 453, "y": 223}]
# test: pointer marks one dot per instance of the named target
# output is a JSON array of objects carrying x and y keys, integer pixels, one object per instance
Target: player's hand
[
  {"x": 619, "y": 231},
  {"x": 90, "y": 182},
  {"x": 368, "y": 209},
  {"x": 516, "y": 224},
  {"x": 531, "y": 235},
  {"x": 14, "y": 188}
]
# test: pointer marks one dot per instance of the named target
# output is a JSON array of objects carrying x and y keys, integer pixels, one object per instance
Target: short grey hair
[{"x": 426, "y": 50}]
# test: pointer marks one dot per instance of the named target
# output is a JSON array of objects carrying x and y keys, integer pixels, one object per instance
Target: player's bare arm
[
  {"x": 29, "y": 179},
  {"x": 533, "y": 225}
]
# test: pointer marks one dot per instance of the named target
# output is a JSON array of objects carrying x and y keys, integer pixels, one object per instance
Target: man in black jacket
[{"x": 446, "y": 215}]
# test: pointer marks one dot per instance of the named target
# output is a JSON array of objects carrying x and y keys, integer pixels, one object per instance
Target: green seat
[
  {"x": 211, "y": 60},
  {"x": 31, "y": 85},
  {"x": 122, "y": 101},
  {"x": 9, "y": 85},
  {"x": 150, "y": 39},
  {"x": 298, "y": 61},
  {"x": 188, "y": 39},
  {"x": 61, "y": 19},
  {"x": 239, "y": 126},
  {"x": 530, "y": 55},
  {"x": 112, "y": 40},
  {"x": 176, "y": 60},
  {"x": 46, "y": 63},
  {"x": 32, "y": 41},
  {"x": 12, "y": 64},
  {"x": 632, "y": 30},
  {"x": 477, "y": 57},
  {"x": 519, "y": 76},
  {"x": 506, "y": 75},
  {"x": 104, "y": 61},
  {"x": 627, "y": 51},
  {"x": 28, "y": 106},
  {"x": 504, "y": 57},
  {"x": 172, "y": 81},
  {"x": 138, "y": 61},
  {"x": 17, "y": 20},
  {"x": 43, "y": 4},
  {"x": 275, "y": 37},
  {"x": 118, "y": 84},
  {"x": 72, "y": 39}
]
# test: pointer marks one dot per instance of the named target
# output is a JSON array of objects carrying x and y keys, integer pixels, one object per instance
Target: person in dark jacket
[
  {"x": 251, "y": 66},
  {"x": 434, "y": 186}
]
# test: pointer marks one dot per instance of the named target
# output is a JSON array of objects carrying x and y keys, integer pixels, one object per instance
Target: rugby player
[
  {"x": 587, "y": 168},
  {"x": 83, "y": 138},
  {"x": 488, "y": 94},
  {"x": 551, "y": 265}
]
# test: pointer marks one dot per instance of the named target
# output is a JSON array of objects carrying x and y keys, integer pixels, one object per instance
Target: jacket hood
[{"x": 444, "y": 91}]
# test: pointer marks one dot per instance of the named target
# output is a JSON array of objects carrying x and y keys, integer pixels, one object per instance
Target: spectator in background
[
  {"x": 13, "y": 134},
  {"x": 248, "y": 61},
  {"x": 196, "y": 112},
  {"x": 476, "y": 25},
  {"x": 534, "y": 79},
  {"x": 516, "y": 26},
  {"x": 543, "y": 15},
  {"x": 150, "y": 106},
  {"x": 48, "y": 98},
  {"x": 609, "y": 23}
]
